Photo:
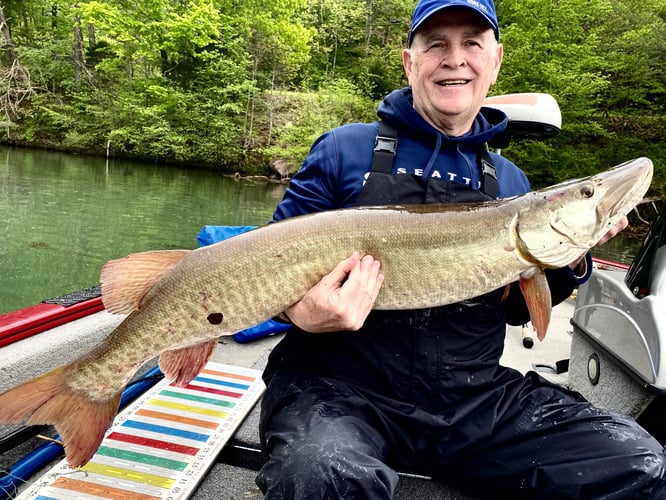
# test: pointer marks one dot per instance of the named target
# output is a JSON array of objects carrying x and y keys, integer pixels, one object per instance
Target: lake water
[{"x": 63, "y": 216}]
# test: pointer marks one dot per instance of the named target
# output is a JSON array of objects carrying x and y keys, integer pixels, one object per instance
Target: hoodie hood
[{"x": 397, "y": 108}]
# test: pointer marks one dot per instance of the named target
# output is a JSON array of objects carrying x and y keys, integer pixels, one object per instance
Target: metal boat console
[{"x": 625, "y": 314}]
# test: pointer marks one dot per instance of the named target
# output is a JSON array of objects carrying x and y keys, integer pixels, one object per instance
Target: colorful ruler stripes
[{"x": 162, "y": 445}]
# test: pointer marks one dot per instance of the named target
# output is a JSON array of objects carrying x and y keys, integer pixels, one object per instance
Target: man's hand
[
  {"x": 621, "y": 224},
  {"x": 342, "y": 299}
]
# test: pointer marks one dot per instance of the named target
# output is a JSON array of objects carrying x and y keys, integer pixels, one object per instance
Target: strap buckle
[{"x": 386, "y": 144}]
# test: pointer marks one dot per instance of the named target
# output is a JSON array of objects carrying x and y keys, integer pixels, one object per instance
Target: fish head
[{"x": 564, "y": 221}]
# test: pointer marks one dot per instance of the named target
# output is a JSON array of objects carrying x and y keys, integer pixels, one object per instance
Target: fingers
[
  {"x": 342, "y": 299},
  {"x": 358, "y": 293},
  {"x": 340, "y": 273},
  {"x": 370, "y": 278},
  {"x": 363, "y": 280},
  {"x": 612, "y": 232},
  {"x": 621, "y": 224}
]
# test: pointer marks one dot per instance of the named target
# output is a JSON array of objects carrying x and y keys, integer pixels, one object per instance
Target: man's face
[{"x": 453, "y": 61}]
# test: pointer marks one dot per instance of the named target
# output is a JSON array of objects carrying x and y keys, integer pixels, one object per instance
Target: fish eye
[{"x": 587, "y": 191}]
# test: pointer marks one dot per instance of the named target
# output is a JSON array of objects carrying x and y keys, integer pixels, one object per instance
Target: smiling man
[
  {"x": 354, "y": 394},
  {"x": 452, "y": 61}
]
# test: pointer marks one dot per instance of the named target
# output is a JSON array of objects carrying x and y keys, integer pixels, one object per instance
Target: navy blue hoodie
[{"x": 333, "y": 173}]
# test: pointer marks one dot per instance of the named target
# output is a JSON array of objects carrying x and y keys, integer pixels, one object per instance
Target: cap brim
[{"x": 434, "y": 10}]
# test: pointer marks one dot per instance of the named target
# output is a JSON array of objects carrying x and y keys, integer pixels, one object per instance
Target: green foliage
[
  {"x": 603, "y": 60},
  {"x": 301, "y": 119},
  {"x": 234, "y": 84}
]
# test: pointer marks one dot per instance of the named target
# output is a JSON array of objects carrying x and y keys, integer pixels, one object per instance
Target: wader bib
[
  {"x": 385, "y": 188},
  {"x": 423, "y": 391}
]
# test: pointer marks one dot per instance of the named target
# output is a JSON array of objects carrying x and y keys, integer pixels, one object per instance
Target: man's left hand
[{"x": 619, "y": 226}]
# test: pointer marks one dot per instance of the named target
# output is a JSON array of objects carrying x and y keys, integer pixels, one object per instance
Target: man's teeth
[{"x": 453, "y": 82}]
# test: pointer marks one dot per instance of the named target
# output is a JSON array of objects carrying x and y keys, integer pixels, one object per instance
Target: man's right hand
[{"x": 342, "y": 299}]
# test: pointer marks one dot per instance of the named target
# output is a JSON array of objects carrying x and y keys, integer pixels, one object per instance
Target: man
[{"x": 354, "y": 395}]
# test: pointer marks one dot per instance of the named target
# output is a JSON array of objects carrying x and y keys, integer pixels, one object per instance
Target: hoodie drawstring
[{"x": 433, "y": 157}]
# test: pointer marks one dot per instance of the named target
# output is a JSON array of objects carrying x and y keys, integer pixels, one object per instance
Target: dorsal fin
[{"x": 126, "y": 281}]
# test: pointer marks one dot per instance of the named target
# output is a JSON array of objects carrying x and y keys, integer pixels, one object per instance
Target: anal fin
[
  {"x": 182, "y": 365},
  {"x": 537, "y": 297}
]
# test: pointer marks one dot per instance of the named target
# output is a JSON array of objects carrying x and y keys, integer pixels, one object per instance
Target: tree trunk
[
  {"x": 54, "y": 17},
  {"x": 164, "y": 63},
  {"x": 270, "y": 106},
  {"x": 79, "y": 56},
  {"x": 249, "y": 109},
  {"x": 92, "y": 39},
  {"x": 6, "y": 34},
  {"x": 15, "y": 85},
  {"x": 369, "y": 21}
]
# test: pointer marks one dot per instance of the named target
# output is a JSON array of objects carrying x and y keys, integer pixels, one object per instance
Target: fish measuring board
[{"x": 162, "y": 445}]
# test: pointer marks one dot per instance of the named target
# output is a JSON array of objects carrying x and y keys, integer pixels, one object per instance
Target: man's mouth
[{"x": 452, "y": 83}]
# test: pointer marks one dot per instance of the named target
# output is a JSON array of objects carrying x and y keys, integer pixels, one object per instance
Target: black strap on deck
[{"x": 70, "y": 299}]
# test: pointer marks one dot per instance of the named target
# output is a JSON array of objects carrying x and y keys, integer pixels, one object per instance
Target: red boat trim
[
  {"x": 18, "y": 325},
  {"x": 609, "y": 264}
]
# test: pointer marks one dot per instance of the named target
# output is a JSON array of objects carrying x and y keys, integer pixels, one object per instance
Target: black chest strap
[
  {"x": 386, "y": 145},
  {"x": 490, "y": 185}
]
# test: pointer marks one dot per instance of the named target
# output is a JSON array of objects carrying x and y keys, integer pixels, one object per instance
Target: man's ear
[
  {"x": 499, "y": 55},
  {"x": 407, "y": 62}
]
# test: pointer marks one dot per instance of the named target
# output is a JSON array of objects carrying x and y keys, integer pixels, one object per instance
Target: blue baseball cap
[{"x": 425, "y": 9}]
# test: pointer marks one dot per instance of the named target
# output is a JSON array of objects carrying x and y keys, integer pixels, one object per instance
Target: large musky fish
[{"x": 179, "y": 302}]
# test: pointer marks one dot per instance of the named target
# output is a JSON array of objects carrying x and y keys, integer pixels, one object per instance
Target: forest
[{"x": 245, "y": 86}]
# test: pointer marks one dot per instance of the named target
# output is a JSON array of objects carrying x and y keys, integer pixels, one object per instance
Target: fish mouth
[
  {"x": 625, "y": 186},
  {"x": 580, "y": 212}
]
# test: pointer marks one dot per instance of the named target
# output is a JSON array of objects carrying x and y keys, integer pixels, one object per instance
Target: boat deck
[{"x": 232, "y": 475}]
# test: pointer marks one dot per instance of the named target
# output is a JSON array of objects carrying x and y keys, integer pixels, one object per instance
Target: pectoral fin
[{"x": 537, "y": 297}]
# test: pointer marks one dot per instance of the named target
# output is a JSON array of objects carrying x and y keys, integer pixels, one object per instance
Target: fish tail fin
[
  {"x": 80, "y": 421},
  {"x": 182, "y": 365}
]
